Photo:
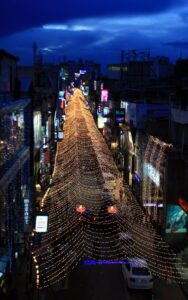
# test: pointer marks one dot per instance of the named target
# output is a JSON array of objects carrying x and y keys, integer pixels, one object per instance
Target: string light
[
  {"x": 154, "y": 160},
  {"x": 85, "y": 219}
]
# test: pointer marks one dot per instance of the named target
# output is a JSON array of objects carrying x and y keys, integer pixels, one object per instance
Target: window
[{"x": 140, "y": 271}]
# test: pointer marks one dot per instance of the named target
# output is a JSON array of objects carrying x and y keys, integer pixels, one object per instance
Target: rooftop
[{"x": 3, "y": 53}]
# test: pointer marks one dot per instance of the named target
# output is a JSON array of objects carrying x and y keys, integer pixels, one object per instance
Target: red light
[
  {"x": 183, "y": 204},
  {"x": 80, "y": 208},
  {"x": 112, "y": 209}
]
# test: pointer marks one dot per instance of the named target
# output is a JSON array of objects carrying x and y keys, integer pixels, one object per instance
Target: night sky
[{"x": 95, "y": 30}]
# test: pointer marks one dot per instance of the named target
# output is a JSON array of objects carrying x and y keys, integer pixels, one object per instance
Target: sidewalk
[{"x": 19, "y": 282}]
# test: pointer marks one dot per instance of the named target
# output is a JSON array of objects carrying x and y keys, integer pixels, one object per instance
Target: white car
[{"x": 137, "y": 274}]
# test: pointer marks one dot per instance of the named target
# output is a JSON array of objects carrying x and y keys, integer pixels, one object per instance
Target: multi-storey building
[
  {"x": 40, "y": 82},
  {"x": 81, "y": 70},
  {"x": 8, "y": 82},
  {"x": 15, "y": 166}
]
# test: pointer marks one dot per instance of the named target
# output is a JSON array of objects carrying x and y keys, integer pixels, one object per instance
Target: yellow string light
[{"x": 84, "y": 177}]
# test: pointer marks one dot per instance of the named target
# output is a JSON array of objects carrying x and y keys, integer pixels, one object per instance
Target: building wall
[
  {"x": 7, "y": 75},
  {"x": 15, "y": 176}
]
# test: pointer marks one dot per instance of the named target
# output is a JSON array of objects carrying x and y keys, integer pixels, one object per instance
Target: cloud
[
  {"x": 102, "y": 38},
  {"x": 21, "y": 15},
  {"x": 67, "y": 28}
]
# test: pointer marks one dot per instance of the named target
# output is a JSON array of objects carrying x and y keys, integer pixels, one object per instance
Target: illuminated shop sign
[
  {"x": 26, "y": 211},
  {"x": 120, "y": 112},
  {"x": 176, "y": 219},
  {"x": 104, "y": 96},
  {"x": 41, "y": 223},
  {"x": 61, "y": 93},
  {"x": 99, "y": 110},
  {"x": 153, "y": 204},
  {"x": 119, "y": 119},
  {"x": 120, "y": 115},
  {"x": 101, "y": 122},
  {"x": 83, "y": 71},
  {"x": 152, "y": 173},
  {"x": 37, "y": 123},
  {"x": 105, "y": 111}
]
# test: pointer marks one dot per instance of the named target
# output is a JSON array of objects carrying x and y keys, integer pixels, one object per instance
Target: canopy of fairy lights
[{"x": 86, "y": 218}]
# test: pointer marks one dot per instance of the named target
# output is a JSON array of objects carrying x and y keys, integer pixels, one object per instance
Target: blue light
[
  {"x": 110, "y": 262},
  {"x": 88, "y": 262},
  {"x": 83, "y": 71},
  {"x": 137, "y": 178},
  {"x": 103, "y": 262}
]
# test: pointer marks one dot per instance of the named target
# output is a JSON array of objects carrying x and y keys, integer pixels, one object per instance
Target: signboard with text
[
  {"x": 41, "y": 223},
  {"x": 120, "y": 115},
  {"x": 176, "y": 219},
  {"x": 104, "y": 96}
]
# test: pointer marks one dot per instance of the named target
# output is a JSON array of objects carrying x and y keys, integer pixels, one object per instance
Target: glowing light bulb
[{"x": 81, "y": 208}]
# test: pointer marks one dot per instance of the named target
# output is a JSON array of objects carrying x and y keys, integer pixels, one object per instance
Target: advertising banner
[
  {"x": 104, "y": 96},
  {"x": 41, "y": 223},
  {"x": 120, "y": 115},
  {"x": 176, "y": 219}
]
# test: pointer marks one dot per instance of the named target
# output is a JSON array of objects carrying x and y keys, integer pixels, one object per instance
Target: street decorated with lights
[{"x": 86, "y": 218}]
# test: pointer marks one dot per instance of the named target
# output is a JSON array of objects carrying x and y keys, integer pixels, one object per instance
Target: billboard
[
  {"x": 41, "y": 223},
  {"x": 104, "y": 96},
  {"x": 37, "y": 127},
  {"x": 176, "y": 219},
  {"x": 120, "y": 115},
  {"x": 101, "y": 122},
  {"x": 105, "y": 111}
]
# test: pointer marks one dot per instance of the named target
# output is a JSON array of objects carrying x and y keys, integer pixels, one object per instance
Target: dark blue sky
[{"x": 95, "y": 30}]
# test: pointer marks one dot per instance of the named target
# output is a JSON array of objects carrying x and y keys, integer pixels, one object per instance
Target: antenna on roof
[{"x": 34, "y": 52}]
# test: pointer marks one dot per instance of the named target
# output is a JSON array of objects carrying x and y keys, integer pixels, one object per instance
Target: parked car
[{"x": 137, "y": 274}]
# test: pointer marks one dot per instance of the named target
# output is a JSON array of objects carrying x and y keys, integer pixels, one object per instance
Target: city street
[
  {"x": 105, "y": 282},
  {"x": 94, "y": 165}
]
